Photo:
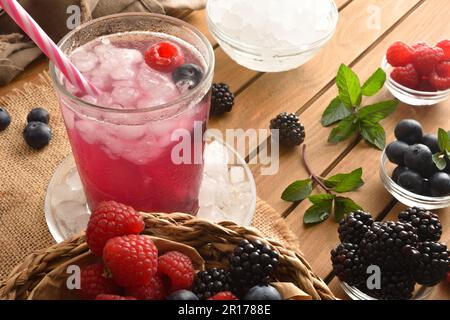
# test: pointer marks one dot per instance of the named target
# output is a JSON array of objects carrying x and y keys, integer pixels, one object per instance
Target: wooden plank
[
  {"x": 298, "y": 88},
  {"x": 324, "y": 236}
]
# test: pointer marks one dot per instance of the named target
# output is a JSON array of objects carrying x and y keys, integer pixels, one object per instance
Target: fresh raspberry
[
  {"x": 93, "y": 282},
  {"x": 425, "y": 85},
  {"x": 178, "y": 268},
  {"x": 225, "y": 295},
  {"x": 153, "y": 290},
  {"x": 399, "y": 54},
  {"x": 113, "y": 297},
  {"x": 443, "y": 69},
  {"x": 111, "y": 219},
  {"x": 426, "y": 58},
  {"x": 445, "y": 45},
  {"x": 406, "y": 76},
  {"x": 164, "y": 57},
  {"x": 419, "y": 45},
  {"x": 132, "y": 259},
  {"x": 440, "y": 83}
]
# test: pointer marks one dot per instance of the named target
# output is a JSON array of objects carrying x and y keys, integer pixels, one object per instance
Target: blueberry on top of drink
[
  {"x": 188, "y": 75},
  {"x": 415, "y": 155}
]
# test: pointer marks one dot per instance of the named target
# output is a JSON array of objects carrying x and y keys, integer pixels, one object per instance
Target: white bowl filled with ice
[{"x": 272, "y": 35}]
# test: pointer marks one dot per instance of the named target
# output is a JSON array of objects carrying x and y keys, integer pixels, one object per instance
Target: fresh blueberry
[
  {"x": 411, "y": 181},
  {"x": 397, "y": 172},
  {"x": 409, "y": 131},
  {"x": 188, "y": 74},
  {"x": 37, "y": 135},
  {"x": 419, "y": 158},
  {"x": 395, "y": 151},
  {"x": 182, "y": 295},
  {"x": 38, "y": 115},
  {"x": 426, "y": 187},
  {"x": 5, "y": 119},
  {"x": 431, "y": 141},
  {"x": 263, "y": 293},
  {"x": 440, "y": 184}
]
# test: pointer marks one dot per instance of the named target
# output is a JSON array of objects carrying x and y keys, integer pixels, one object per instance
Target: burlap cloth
[{"x": 25, "y": 174}]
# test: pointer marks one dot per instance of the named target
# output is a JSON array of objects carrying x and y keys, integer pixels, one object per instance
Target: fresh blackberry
[
  {"x": 353, "y": 227},
  {"x": 252, "y": 263},
  {"x": 395, "y": 285},
  {"x": 382, "y": 245},
  {"x": 208, "y": 283},
  {"x": 292, "y": 132},
  {"x": 428, "y": 225},
  {"x": 348, "y": 265},
  {"x": 430, "y": 262},
  {"x": 222, "y": 99}
]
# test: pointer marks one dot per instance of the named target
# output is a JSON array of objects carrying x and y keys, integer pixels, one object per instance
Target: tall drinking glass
[{"x": 140, "y": 141}]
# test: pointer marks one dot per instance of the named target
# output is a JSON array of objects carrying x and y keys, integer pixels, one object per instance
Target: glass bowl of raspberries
[
  {"x": 408, "y": 171},
  {"x": 390, "y": 260},
  {"x": 419, "y": 74}
]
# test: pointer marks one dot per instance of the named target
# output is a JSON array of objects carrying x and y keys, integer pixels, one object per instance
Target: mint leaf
[
  {"x": 439, "y": 161},
  {"x": 444, "y": 140},
  {"x": 344, "y": 130},
  {"x": 298, "y": 191},
  {"x": 320, "y": 210},
  {"x": 373, "y": 133},
  {"x": 349, "y": 87},
  {"x": 374, "y": 83},
  {"x": 342, "y": 183},
  {"x": 344, "y": 206},
  {"x": 334, "y": 112},
  {"x": 377, "y": 112},
  {"x": 321, "y": 198}
]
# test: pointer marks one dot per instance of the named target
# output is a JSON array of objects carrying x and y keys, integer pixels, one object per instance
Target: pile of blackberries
[
  {"x": 406, "y": 252},
  {"x": 413, "y": 153},
  {"x": 251, "y": 266}
]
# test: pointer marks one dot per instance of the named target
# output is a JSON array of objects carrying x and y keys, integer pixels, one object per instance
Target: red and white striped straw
[{"x": 48, "y": 47}]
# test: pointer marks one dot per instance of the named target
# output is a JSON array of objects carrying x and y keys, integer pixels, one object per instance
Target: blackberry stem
[{"x": 313, "y": 176}]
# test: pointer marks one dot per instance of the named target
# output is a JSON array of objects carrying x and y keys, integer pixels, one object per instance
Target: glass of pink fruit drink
[{"x": 140, "y": 141}]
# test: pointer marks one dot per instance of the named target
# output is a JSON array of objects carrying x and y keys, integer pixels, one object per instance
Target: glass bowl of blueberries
[{"x": 408, "y": 171}]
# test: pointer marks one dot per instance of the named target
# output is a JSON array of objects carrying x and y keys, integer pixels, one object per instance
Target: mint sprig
[
  {"x": 328, "y": 203},
  {"x": 350, "y": 117},
  {"x": 442, "y": 158}
]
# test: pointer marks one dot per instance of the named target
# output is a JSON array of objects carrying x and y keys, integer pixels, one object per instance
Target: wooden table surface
[{"x": 307, "y": 91}]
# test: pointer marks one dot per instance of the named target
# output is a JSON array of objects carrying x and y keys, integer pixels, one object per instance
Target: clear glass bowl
[
  {"x": 410, "y": 96},
  {"x": 274, "y": 59},
  {"x": 404, "y": 196},
  {"x": 420, "y": 292}
]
